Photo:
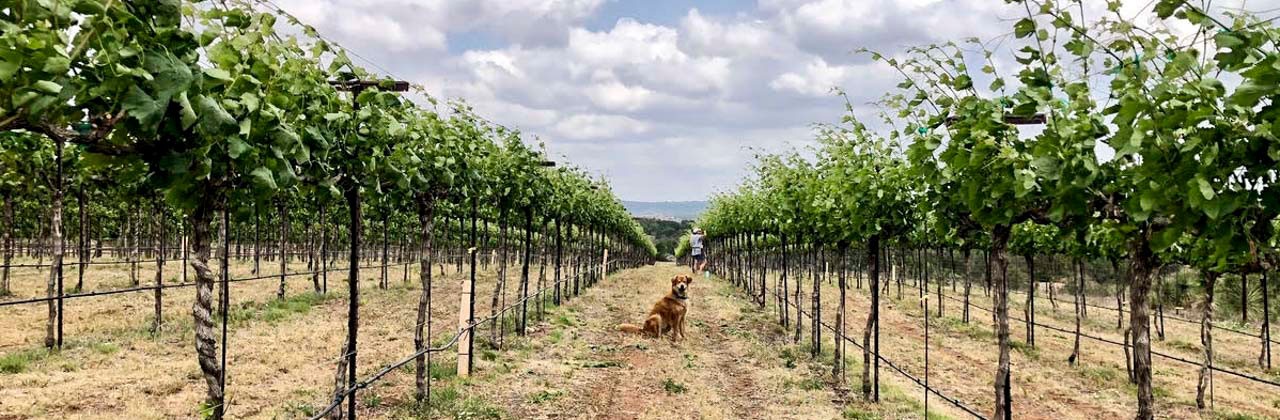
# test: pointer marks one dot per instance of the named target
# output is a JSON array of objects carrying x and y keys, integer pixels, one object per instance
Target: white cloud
[
  {"x": 816, "y": 79},
  {"x": 389, "y": 33},
  {"x": 598, "y": 126},
  {"x": 648, "y": 53},
  {"x": 401, "y": 25},
  {"x": 492, "y": 65},
  {"x": 740, "y": 38},
  {"x": 615, "y": 96},
  {"x": 669, "y": 110}
]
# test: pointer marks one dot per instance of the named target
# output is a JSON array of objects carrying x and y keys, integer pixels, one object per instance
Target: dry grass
[
  {"x": 280, "y": 359},
  {"x": 963, "y": 359},
  {"x": 737, "y": 363}
]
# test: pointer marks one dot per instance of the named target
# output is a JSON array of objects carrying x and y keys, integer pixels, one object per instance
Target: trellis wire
[
  {"x": 340, "y": 397},
  {"x": 1113, "y": 342},
  {"x": 955, "y": 402}
]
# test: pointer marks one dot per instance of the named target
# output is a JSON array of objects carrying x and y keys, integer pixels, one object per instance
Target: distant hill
[{"x": 666, "y": 210}]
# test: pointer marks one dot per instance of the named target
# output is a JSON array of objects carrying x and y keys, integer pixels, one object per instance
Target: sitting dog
[{"x": 667, "y": 314}]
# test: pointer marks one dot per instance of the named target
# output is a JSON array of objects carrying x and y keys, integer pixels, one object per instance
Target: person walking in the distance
[{"x": 695, "y": 249}]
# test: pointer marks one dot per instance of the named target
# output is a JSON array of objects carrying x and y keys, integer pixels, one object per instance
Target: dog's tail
[{"x": 632, "y": 329}]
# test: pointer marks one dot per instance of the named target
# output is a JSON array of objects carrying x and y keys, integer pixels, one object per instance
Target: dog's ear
[
  {"x": 688, "y": 279},
  {"x": 675, "y": 280}
]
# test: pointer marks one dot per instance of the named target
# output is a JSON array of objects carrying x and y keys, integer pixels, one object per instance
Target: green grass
[
  {"x": 859, "y": 413},
  {"x": 688, "y": 360},
  {"x": 789, "y": 357},
  {"x": 555, "y": 336},
  {"x": 104, "y": 347},
  {"x": 563, "y": 321},
  {"x": 442, "y": 371},
  {"x": 1031, "y": 352},
  {"x": 294, "y": 409},
  {"x": 448, "y": 402},
  {"x": 601, "y": 363},
  {"x": 488, "y": 355},
  {"x": 276, "y": 310},
  {"x": 1182, "y": 345},
  {"x": 905, "y": 405},
  {"x": 1232, "y": 415},
  {"x": 1100, "y": 374},
  {"x": 673, "y": 387},
  {"x": 971, "y": 330},
  {"x": 371, "y": 399},
  {"x": 18, "y": 361},
  {"x": 544, "y": 396}
]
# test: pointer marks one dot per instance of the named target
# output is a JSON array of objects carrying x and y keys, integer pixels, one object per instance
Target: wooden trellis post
[{"x": 464, "y": 324}]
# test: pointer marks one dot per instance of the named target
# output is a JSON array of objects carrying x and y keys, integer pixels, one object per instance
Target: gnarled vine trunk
[
  {"x": 1206, "y": 339},
  {"x": 1141, "y": 263},
  {"x": 202, "y": 308}
]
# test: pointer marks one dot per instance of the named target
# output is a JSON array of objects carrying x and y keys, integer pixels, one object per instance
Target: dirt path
[{"x": 734, "y": 364}]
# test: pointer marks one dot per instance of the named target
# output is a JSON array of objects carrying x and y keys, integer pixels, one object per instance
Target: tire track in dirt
[
  {"x": 722, "y": 370},
  {"x": 734, "y": 379}
]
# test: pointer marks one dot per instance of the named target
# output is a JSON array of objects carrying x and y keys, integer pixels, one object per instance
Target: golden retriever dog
[{"x": 667, "y": 314}]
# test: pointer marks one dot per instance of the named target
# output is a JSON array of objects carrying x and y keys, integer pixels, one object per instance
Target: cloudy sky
[{"x": 668, "y": 99}]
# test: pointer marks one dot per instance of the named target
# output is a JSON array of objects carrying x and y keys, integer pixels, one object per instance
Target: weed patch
[
  {"x": 555, "y": 336},
  {"x": 673, "y": 387},
  {"x": 1100, "y": 374},
  {"x": 1232, "y": 415},
  {"x": 294, "y": 409},
  {"x": 971, "y": 330},
  {"x": 447, "y": 402},
  {"x": 1182, "y": 345},
  {"x": 1031, "y": 352},
  {"x": 276, "y": 310},
  {"x": 601, "y": 364},
  {"x": 859, "y": 413},
  {"x": 371, "y": 399},
  {"x": 104, "y": 348},
  {"x": 563, "y": 321},
  {"x": 807, "y": 384},
  {"x": 18, "y": 361},
  {"x": 544, "y": 396},
  {"x": 440, "y": 371}
]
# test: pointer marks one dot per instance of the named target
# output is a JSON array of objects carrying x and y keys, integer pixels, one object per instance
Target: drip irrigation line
[
  {"x": 424, "y": 323},
  {"x": 955, "y": 402},
  {"x": 1243, "y": 332},
  {"x": 192, "y": 284},
  {"x": 1113, "y": 342},
  {"x": 1117, "y": 343},
  {"x": 184, "y": 285},
  {"x": 1249, "y": 334},
  {"x": 339, "y": 398}
]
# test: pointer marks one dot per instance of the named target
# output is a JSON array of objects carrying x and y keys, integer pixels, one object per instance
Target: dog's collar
[{"x": 680, "y": 296}]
